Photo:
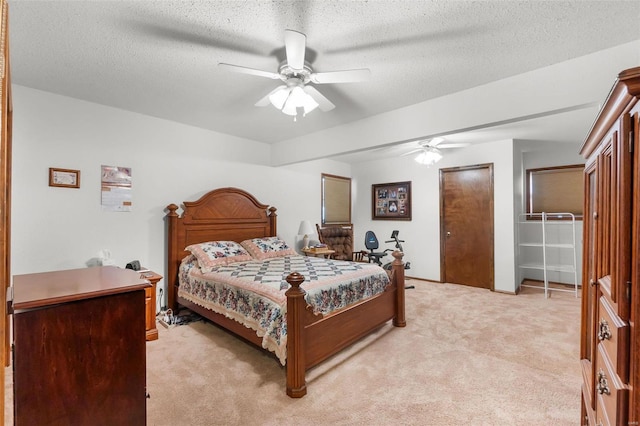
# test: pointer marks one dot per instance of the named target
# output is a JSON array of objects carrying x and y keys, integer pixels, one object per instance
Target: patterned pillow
[
  {"x": 216, "y": 253},
  {"x": 265, "y": 248}
]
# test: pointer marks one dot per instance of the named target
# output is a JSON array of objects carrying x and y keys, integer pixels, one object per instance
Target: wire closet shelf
[{"x": 545, "y": 221}]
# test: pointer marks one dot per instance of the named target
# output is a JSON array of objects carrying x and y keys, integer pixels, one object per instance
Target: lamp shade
[{"x": 306, "y": 228}]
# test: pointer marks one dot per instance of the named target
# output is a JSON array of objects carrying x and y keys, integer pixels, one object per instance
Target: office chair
[{"x": 371, "y": 243}]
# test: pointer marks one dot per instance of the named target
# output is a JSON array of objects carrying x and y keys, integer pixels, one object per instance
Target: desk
[{"x": 318, "y": 252}]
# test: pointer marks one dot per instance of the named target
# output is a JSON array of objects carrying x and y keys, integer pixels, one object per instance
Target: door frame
[
  {"x": 488, "y": 166},
  {"x": 6, "y": 125}
]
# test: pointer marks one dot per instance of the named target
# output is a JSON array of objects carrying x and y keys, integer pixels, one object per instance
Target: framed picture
[
  {"x": 65, "y": 178},
  {"x": 391, "y": 201}
]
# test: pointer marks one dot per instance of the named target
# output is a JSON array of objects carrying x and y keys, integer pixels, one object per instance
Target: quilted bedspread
[{"x": 253, "y": 292}]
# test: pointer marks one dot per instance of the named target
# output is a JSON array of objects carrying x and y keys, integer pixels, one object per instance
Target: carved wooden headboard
[{"x": 225, "y": 214}]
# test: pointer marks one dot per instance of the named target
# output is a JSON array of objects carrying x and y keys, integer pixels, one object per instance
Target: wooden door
[{"x": 466, "y": 225}]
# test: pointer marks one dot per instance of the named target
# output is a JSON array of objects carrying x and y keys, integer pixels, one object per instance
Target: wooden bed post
[
  {"x": 296, "y": 363},
  {"x": 172, "y": 267},
  {"x": 397, "y": 276},
  {"x": 273, "y": 221}
]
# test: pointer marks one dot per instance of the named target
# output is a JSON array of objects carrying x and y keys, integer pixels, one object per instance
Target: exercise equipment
[{"x": 371, "y": 243}]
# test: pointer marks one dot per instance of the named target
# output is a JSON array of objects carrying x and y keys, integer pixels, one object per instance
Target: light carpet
[{"x": 467, "y": 357}]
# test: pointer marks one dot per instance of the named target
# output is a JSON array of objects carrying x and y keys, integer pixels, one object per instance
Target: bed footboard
[{"x": 312, "y": 339}]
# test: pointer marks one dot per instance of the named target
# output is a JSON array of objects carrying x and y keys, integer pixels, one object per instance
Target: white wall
[
  {"x": 60, "y": 228},
  {"x": 422, "y": 233}
]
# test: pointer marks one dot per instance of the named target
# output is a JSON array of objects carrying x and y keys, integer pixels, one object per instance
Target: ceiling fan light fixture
[
  {"x": 297, "y": 96},
  {"x": 429, "y": 156},
  {"x": 309, "y": 104},
  {"x": 290, "y": 107},
  {"x": 289, "y": 99},
  {"x": 279, "y": 97}
]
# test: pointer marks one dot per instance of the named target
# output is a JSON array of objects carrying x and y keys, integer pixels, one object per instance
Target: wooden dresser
[
  {"x": 79, "y": 347},
  {"x": 610, "y": 341}
]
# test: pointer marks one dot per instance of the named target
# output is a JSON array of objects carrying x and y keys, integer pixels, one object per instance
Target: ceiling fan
[
  {"x": 429, "y": 150},
  {"x": 296, "y": 74}
]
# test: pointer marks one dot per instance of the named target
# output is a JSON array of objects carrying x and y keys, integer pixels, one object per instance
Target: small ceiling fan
[
  {"x": 296, "y": 74},
  {"x": 429, "y": 150}
]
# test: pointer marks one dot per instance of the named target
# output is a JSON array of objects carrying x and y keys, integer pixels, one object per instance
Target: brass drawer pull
[
  {"x": 604, "y": 332},
  {"x": 603, "y": 386}
]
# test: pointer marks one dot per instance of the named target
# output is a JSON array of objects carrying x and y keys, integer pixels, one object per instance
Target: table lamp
[{"x": 306, "y": 229}]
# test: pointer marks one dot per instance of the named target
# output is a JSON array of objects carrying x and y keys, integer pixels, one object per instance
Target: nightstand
[
  {"x": 318, "y": 252},
  {"x": 150, "y": 303}
]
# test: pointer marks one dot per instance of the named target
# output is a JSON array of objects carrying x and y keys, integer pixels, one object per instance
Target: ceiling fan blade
[
  {"x": 453, "y": 145},
  {"x": 413, "y": 151},
  {"x": 266, "y": 101},
  {"x": 250, "y": 71},
  {"x": 432, "y": 142},
  {"x": 346, "y": 76},
  {"x": 295, "y": 44},
  {"x": 323, "y": 103}
]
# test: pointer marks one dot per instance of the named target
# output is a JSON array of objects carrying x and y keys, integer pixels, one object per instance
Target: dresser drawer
[
  {"x": 613, "y": 333},
  {"x": 612, "y": 394}
]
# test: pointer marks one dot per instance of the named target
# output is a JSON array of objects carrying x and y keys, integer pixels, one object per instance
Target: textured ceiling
[{"x": 160, "y": 58}]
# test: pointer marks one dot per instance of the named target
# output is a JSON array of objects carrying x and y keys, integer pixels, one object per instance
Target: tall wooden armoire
[{"x": 610, "y": 341}]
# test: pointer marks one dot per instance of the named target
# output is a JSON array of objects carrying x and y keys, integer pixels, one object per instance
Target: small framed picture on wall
[
  {"x": 391, "y": 201},
  {"x": 66, "y": 178}
]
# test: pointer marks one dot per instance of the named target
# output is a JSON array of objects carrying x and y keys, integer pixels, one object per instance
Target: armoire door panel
[
  {"x": 605, "y": 252},
  {"x": 621, "y": 273},
  {"x": 589, "y": 287}
]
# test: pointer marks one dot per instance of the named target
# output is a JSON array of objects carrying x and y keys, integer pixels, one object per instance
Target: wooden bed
[{"x": 235, "y": 215}]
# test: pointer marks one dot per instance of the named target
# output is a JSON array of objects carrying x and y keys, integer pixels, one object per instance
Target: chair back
[
  {"x": 338, "y": 239},
  {"x": 371, "y": 241}
]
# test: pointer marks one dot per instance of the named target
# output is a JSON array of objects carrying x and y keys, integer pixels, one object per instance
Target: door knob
[{"x": 448, "y": 234}]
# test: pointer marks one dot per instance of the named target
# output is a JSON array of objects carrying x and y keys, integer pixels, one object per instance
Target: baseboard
[
  {"x": 422, "y": 279},
  {"x": 512, "y": 293},
  {"x": 554, "y": 283}
]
